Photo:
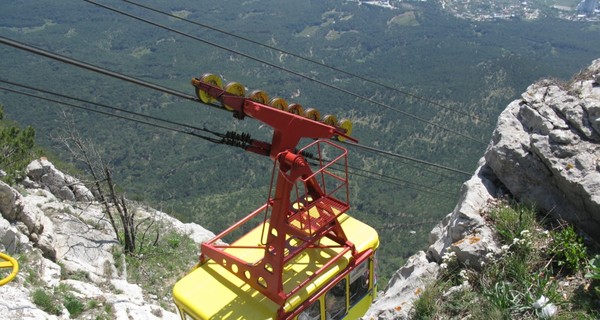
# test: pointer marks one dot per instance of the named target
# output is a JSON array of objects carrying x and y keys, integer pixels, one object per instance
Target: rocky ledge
[
  {"x": 55, "y": 229},
  {"x": 545, "y": 152}
]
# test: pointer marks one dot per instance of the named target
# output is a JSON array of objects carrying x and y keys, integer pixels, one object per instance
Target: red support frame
[{"x": 317, "y": 196}]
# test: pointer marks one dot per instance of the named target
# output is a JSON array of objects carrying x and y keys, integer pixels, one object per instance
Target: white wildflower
[
  {"x": 546, "y": 233},
  {"x": 444, "y": 266},
  {"x": 516, "y": 241},
  {"x": 505, "y": 248},
  {"x": 542, "y": 301},
  {"x": 548, "y": 311},
  {"x": 449, "y": 256}
]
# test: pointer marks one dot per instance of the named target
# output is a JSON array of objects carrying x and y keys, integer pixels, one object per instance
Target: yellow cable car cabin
[
  {"x": 212, "y": 292},
  {"x": 307, "y": 258}
]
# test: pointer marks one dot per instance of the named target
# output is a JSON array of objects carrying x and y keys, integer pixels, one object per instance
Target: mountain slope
[{"x": 545, "y": 152}]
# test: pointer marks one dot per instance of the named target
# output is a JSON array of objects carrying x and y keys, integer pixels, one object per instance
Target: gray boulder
[
  {"x": 42, "y": 173},
  {"x": 546, "y": 149},
  {"x": 11, "y": 203}
]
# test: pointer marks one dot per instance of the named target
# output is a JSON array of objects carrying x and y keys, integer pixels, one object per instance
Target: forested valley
[{"x": 452, "y": 79}]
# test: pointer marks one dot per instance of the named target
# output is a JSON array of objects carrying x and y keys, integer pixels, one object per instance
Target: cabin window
[
  {"x": 359, "y": 282},
  {"x": 313, "y": 312},
  {"x": 335, "y": 301}
]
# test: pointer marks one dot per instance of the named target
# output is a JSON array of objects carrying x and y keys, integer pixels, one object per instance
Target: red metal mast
[{"x": 290, "y": 230}]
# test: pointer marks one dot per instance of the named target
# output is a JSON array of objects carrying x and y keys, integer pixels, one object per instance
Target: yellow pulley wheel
[
  {"x": 296, "y": 108},
  {"x": 330, "y": 120},
  {"x": 8, "y": 262},
  {"x": 259, "y": 96},
  {"x": 212, "y": 79},
  {"x": 313, "y": 114},
  {"x": 346, "y": 125},
  {"x": 279, "y": 103},
  {"x": 235, "y": 88}
]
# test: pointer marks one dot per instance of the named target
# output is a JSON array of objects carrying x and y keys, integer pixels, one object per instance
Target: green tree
[{"x": 16, "y": 147}]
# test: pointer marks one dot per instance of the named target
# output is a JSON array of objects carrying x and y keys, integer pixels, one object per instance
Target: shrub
[
  {"x": 568, "y": 249},
  {"x": 594, "y": 268},
  {"x": 16, "y": 147},
  {"x": 520, "y": 281},
  {"x": 74, "y": 306},
  {"x": 511, "y": 221},
  {"x": 46, "y": 302}
]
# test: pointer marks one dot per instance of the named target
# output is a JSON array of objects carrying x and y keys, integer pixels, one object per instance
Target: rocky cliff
[
  {"x": 65, "y": 245},
  {"x": 545, "y": 151}
]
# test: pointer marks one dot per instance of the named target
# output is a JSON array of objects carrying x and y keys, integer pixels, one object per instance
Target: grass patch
[
  {"x": 405, "y": 19},
  {"x": 157, "y": 268},
  {"x": 568, "y": 249},
  {"x": 539, "y": 274},
  {"x": 74, "y": 306},
  {"x": 46, "y": 301},
  {"x": 53, "y": 301}
]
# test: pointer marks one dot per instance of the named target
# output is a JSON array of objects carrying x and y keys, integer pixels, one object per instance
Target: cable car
[{"x": 300, "y": 255}]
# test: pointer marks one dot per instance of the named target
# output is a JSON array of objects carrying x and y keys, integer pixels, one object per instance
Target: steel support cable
[
  {"x": 399, "y": 180},
  {"x": 113, "y": 108},
  {"x": 287, "y": 70},
  {"x": 97, "y": 69},
  {"x": 190, "y": 132},
  {"x": 406, "y": 93},
  {"x": 355, "y": 169},
  {"x": 117, "y": 75},
  {"x": 227, "y": 138},
  {"x": 407, "y": 158},
  {"x": 213, "y": 140},
  {"x": 444, "y": 194},
  {"x": 403, "y": 183},
  {"x": 407, "y": 163}
]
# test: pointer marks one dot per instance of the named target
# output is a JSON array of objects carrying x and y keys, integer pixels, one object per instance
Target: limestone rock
[
  {"x": 85, "y": 290},
  {"x": 26, "y": 220},
  {"x": 56, "y": 239},
  {"x": 546, "y": 149},
  {"x": 405, "y": 286},
  {"x": 46, "y": 240},
  {"x": 465, "y": 231},
  {"x": 50, "y": 273},
  {"x": 81, "y": 237},
  {"x": 195, "y": 231},
  {"x": 31, "y": 216},
  {"x": 16, "y": 303},
  {"x": 10, "y": 237},
  {"x": 10, "y": 202},
  {"x": 130, "y": 304},
  {"x": 43, "y": 173}
]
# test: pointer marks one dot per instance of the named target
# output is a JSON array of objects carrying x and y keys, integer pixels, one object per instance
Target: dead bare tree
[{"x": 103, "y": 185}]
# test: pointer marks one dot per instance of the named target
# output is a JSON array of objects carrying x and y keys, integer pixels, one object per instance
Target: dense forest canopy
[
  {"x": 459, "y": 75},
  {"x": 16, "y": 148}
]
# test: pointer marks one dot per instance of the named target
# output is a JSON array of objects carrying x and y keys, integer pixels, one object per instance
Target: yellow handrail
[{"x": 9, "y": 262}]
